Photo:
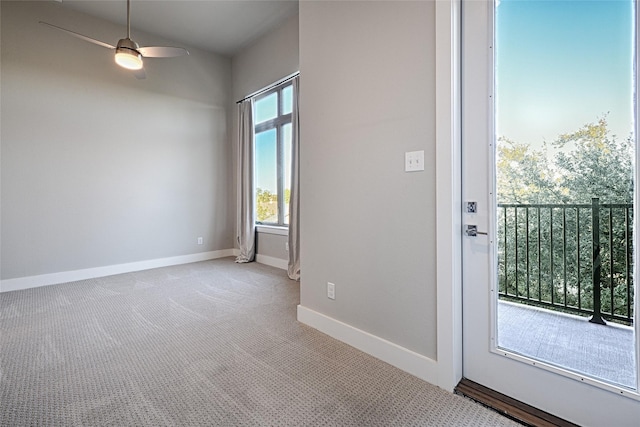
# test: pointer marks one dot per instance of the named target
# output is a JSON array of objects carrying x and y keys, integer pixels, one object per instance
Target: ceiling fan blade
[
  {"x": 162, "y": 51},
  {"x": 140, "y": 74},
  {"x": 80, "y": 36}
]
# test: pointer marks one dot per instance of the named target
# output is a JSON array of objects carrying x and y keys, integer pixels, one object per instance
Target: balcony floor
[{"x": 572, "y": 342}]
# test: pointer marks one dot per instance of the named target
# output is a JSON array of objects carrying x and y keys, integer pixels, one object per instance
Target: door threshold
[{"x": 508, "y": 406}]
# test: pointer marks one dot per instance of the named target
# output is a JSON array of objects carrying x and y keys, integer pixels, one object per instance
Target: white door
[{"x": 562, "y": 391}]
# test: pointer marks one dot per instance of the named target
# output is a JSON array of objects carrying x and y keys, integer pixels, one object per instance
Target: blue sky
[
  {"x": 265, "y": 142},
  {"x": 266, "y": 155},
  {"x": 562, "y": 64}
]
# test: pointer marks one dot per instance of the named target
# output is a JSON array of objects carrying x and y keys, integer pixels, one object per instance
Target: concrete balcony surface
[{"x": 605, "y": 352}]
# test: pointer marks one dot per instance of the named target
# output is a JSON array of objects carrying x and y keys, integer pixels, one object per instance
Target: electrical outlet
[
  {"x": 200, "y": 240},
  {"x": 331, "y": 290}
]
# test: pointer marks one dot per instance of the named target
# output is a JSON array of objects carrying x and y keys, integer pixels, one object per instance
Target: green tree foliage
[
  {"x": 266, "y": 206},
  {"x": 545, "y": 252},
  {"x": 589, "y": 162},
  {"x": 599, "y": 165}
]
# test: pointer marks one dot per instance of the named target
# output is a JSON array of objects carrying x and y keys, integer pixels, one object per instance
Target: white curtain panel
[
  {"x": 294, "y": 200},
  {"x": 246, "y": 232}
]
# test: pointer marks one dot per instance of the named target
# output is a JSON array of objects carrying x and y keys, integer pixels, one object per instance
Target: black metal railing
[{"x": 570, "y": 257}]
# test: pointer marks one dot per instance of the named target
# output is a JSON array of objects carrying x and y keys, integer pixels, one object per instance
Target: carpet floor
[{"x": 212, "y": 343}]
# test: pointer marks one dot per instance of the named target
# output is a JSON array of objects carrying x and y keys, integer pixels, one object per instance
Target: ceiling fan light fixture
[
  {"x": 129, "y": 59},
  {"x": 128, "y": 54}
]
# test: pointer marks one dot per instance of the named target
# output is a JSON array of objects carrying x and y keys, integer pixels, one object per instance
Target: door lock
[
  {"x": 472, "y": 207},
  {"x": 472, "y": 231}
]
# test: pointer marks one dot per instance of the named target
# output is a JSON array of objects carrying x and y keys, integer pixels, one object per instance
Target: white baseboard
[
  {"x": 272, "y": 261},
  {"x": 400, "y": 357},
  {"x": 91, "y": 273}
]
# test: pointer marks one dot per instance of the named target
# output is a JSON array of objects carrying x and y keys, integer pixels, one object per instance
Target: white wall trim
[
  {"x": 448, "y": 195},
  {"x": 272, "y": 261},
  {"x": 400, "y": 357},
  {"x": 270, "y": 229},
  {"x": 18, "y": 283}
]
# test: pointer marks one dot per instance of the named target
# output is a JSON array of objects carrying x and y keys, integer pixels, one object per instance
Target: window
[{"x": 272, "y": 118}]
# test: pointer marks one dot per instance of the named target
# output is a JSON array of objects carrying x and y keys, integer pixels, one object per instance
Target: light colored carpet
[{"x": 212, "y": 343}]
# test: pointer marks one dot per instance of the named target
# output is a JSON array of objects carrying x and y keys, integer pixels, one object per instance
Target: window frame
[{"x": 278, "y": 124}]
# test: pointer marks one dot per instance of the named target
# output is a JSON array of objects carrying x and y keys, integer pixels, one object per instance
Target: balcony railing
[{"x": 568, "y": 257}]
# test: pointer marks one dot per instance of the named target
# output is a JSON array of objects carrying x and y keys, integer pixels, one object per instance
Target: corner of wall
[{"x": 409, "y": 361}]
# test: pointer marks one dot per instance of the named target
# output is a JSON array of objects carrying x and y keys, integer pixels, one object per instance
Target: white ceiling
[{"x": 220, "y": 26}]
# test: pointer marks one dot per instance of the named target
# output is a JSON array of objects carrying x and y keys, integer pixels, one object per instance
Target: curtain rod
[{"x": 271, "y": 86}]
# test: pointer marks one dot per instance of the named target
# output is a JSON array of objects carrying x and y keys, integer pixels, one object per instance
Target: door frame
[{"x": 448, "y": 134}]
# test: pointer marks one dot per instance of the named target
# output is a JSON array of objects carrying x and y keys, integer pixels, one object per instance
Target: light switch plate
[{"x": 414, "y": 161}]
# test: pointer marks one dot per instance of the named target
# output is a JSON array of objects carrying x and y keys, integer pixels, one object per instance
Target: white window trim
[{"x": 272, "y": 229}]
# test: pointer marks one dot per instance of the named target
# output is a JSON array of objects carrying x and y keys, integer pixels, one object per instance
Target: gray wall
[
  {"x": 99, "y": 168},
  {"x": 268, "y": 60},
  {"x": 368, "y": 96},
  {"x": 272, "y": 245}
]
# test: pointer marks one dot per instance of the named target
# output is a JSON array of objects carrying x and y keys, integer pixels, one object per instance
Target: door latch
[{"x": 472, "y": 231}]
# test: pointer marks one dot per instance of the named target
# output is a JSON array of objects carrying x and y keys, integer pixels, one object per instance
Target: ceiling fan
[{"x": 128, "y": 54}]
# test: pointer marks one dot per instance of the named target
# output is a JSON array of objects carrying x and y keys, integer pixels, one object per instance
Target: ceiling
[{"x": 220, "y": 26}]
